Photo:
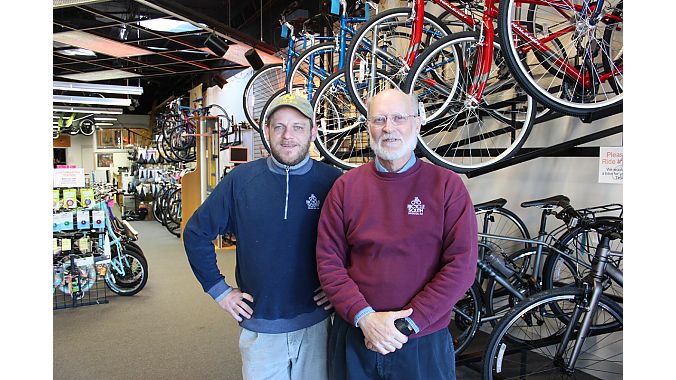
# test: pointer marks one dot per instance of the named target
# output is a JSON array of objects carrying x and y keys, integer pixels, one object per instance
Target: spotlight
[
  {"x": 220, "y": 80},
  {"x": 254, "y": 59},
  {"x": 216, "y": 45}
]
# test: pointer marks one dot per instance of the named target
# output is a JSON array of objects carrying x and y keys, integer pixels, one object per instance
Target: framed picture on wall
[{"x": 104, "y": 160}]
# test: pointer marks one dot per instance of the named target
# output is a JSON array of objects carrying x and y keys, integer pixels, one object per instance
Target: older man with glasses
[{"x": 396, "y": 249}]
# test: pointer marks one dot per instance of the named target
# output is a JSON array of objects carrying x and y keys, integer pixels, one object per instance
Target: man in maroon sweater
[{"x": 396, "y": 249}]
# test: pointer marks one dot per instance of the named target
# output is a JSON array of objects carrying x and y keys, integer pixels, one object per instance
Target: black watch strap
[{"x": 403, "y": 326}]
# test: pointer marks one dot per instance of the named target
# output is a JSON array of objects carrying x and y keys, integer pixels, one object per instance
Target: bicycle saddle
[
  {"x": 557, "y": 200},
  {"x": 495, "y": 203}
]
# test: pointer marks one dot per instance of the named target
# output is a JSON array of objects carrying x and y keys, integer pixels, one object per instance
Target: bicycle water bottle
[{"x": 498, "y": 263}]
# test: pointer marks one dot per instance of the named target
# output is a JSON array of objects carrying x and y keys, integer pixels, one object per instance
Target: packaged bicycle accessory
[
  {"x": 69, "y": 198},
  {"x": 67, "y": 223},
  {"x": 66, "y": 245},
  {"x": 56, "y": 222},
  {"x": 84, "y": 244},
  {"x": 57, "y": 199},
  {"x": 98, "y": 219},
  {"x": 87, "y": 197},
  {"x": 83, "y": 220}
]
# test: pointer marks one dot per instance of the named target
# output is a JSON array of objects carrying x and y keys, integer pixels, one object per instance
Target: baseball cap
[{"x": 300, "y": 103}]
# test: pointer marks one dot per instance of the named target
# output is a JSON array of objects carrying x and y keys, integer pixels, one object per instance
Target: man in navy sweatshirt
[
  {"x": 396, "y": 249},
  {"x": 272, "y": 206}
]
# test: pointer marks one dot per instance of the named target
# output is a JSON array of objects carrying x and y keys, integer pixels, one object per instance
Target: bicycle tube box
[
  {"x": 98, "y": 219},
  {"x": 83, "y": 220}
]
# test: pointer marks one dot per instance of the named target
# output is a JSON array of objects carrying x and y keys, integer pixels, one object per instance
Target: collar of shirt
[
  {"x": 408, "y": 165},
  {"x": 298, "y": 169}
]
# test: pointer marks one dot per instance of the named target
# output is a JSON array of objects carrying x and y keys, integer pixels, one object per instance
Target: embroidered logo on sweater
[
  {"x": 312, "y": 203},
  {"x": 416, "y": 207}
]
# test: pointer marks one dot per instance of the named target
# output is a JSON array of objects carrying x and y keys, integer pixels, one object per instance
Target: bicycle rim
[
  {"x": 460, "y": 132},
  {"x": 590, "y": 46}
]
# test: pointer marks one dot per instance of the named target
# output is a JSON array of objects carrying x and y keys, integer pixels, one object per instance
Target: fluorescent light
[
  {"x": 77, "y": 52},
  {"x": 168, "y": 25},
  {"x": 92, "y": 110},
  {"x": 100, "y": 75},
  {"x": 103, "y": 124},
  {"x": 103, "y": 88},
  {"x": 105, "y": 119},
  {"x": 92, "y": 100},
  {"x": 99, "y": 44}
]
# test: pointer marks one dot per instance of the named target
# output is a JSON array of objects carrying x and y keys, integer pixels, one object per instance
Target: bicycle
[
  {"x": 563, "y": 332},
  {"x": 506, "y": 276}
]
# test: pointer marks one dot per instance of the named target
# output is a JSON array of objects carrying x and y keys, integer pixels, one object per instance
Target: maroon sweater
[{"x": 395, "y": 241}]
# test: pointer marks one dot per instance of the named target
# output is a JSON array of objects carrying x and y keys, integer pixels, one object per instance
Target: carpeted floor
[{"x": 169, "y": 330}]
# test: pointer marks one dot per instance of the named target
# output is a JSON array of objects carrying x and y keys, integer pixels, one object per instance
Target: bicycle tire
[
  {"x": 463, "y": 133},
  {"x": 532, "y": 354},
  {"x": 561, "y": 271},
  {"x": 262, "y": 84},
  {"x": 135, "y": 275},
  {"x": 584, "y": 52},
  {"x": 504, "y": 223},
  {"x": 391, "y": 24},
  {"x": 466, "y": 319},
  {"x": 321, "y": 57}
]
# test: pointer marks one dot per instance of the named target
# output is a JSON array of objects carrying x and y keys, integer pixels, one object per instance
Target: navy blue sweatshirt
[{"x": 273, "y": 210}]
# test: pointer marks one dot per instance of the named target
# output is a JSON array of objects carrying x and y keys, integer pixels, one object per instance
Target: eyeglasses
[{"x": 395, "y": 118}]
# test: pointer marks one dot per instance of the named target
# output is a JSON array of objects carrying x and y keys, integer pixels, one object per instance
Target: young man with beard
[
  {"x": 396, "y": 249},
  {"x": 272, "y": 206}
]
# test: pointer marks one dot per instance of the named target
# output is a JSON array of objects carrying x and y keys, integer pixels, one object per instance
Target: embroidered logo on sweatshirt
[
  {"x": 416, "y": 207},
  {"x": 312, "y": 203}
]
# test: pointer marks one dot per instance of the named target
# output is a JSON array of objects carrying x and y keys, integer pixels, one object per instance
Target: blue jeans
[{"x": 430, "y": 357}]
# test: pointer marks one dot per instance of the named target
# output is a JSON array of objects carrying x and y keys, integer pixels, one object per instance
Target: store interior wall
[{"x": 575, "y": 177}]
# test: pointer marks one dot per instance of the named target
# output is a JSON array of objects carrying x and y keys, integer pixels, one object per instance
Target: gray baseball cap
[{"x": 300, "y": 103}]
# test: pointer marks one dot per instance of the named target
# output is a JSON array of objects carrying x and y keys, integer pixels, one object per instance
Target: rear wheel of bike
[
  {"x": 461, "y": 132},
  {"x": 129, "y": 274},
  {"x": 391, "y": 42},
  {"x": 526, "y": 340},
  {"x": 592, "y": 45},
  {"x": 465, "y": 318},
  {"x": 265, "y": 82}
]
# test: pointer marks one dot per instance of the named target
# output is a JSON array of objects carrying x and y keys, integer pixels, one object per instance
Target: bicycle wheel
[
  {"x": 461, "y": 132},
  {"x": 526, "y": 340},
  {"x": 311, "y": 68},
  {"x": 265, "y": 82},
  {"x": 580, "y": 243},
  {"x": 465, "y": 319},
  {"x": 128, "y": 275},
  {"x": 583, "y": 78},
  {"x": 391, "y": 31},
  {"x": 502, "y": 222}
]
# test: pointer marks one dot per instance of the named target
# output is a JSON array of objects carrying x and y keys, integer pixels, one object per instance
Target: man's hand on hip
[
  {"x": 234, "y": 304},
  {"x": 380, "y": 335}
]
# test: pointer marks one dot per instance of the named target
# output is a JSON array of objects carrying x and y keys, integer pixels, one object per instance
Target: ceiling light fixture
[
  {"x": 254, "y": 59},
  {"x": 105, "y": 119},
  {"x": 91, "y": 110},
  {"x": 216, "y": 45},
  {"x": 99, "y": 88},
  {"x": 103, "y": 124},
  {"x": 92, "y": 100}
]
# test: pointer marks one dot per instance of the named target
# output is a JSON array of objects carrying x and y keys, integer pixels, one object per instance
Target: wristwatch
[{"x": 403, "y": 326}]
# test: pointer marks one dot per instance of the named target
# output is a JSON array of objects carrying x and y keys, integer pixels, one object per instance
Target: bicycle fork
[{"x": 590, "y": 307}]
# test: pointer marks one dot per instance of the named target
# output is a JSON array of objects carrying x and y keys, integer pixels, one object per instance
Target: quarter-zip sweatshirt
[{"x": 273, "y": 210}]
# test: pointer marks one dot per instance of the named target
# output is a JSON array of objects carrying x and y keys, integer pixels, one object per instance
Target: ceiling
[{"x": 127, "y": 42}]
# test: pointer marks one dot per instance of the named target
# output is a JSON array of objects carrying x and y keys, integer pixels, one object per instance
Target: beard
[
  {"x": 299, "y": 155},
  {"x": 409, "y": 144}
]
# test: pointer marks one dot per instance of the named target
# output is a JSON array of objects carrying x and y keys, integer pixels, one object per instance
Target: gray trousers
[{"x": 296, "y": 355}]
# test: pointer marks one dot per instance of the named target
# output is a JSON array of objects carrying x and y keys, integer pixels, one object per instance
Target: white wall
[{"x": 575, "y": 177}]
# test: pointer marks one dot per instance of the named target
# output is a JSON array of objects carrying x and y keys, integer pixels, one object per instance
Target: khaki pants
[{"x": 297, "y": 355}]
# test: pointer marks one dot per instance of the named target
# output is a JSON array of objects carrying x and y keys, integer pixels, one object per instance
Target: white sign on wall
[
  {"x": 610, "y": 165},
  {"x": 71, "y": 177}
]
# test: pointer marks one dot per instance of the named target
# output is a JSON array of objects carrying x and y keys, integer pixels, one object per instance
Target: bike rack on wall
[{"x": 565, "y": 149}]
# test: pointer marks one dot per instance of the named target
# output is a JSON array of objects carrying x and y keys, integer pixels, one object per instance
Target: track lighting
[
  {"x": 216, "y": 45},
  {"x": 254, "y": 59}
]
